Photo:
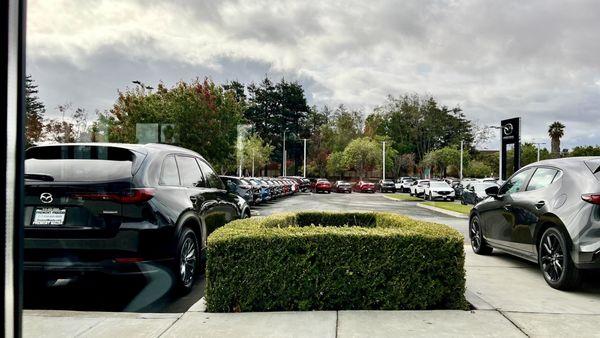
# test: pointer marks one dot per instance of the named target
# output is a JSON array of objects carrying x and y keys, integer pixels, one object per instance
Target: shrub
[{"x": 334, "y": 261}]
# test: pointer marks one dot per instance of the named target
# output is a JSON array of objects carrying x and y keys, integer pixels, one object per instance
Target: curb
[{"x": 443, "y": 211}]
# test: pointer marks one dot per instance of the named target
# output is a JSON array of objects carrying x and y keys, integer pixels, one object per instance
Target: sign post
[{"x": 511, "y": 134}]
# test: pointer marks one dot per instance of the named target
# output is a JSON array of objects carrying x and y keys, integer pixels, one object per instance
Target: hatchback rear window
[{"x": 76, "y": 163}]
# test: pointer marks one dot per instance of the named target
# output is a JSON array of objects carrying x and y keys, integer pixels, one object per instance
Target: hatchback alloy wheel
[
  {"x": 555, "y": 261},
  {"x": 477, "y": 242},
  {"x": 552, "y": 257}
]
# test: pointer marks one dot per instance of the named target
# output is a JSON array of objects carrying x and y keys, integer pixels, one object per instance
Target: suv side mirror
[{"x": 492, "y": 191}]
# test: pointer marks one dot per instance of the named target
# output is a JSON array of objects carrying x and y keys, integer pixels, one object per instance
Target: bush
[{"x": 334, "y": 261}]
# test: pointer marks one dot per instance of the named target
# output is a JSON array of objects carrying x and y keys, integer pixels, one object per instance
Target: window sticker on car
[{"x": 49, "y": 216}]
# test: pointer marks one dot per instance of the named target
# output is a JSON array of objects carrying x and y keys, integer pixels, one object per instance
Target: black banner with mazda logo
[{"x": 511, "y": 134}]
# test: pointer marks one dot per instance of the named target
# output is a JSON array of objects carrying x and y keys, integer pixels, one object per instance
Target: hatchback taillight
[
  {"x": 591, "y": 198},
  {"x": 131, "y": 196}
]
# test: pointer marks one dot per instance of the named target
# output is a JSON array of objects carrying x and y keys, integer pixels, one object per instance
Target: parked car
[
  {"x": 475, "y": 192},
  {"x": 242, "y": 188},
  {"x": 364, "y": 186},
  {"x": 342, "y": 187},
  {"x": 438, "y": 190},
  {"x": 548, "y": 213},
  {"x": 265, "y": 191},
  {"x": 121, "y": 209},
  {"x": 458, "y": 188},
  {"x": 322, "y": 185},
  {"x": 386, "y": 186},
  {"x": 403, "y": 184},
  {"x": 417, "y": 188}
]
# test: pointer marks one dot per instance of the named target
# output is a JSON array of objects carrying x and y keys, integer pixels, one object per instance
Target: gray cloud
[{"x": 496, "y": 59}]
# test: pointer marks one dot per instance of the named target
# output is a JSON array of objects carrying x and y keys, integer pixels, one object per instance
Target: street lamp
[
  {"x": 304, "y": 171},
  {"x": 538, "y": 144},
  {"x": 383, "y": 175}
]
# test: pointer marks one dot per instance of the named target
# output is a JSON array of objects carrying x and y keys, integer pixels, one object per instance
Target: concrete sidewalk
[{"x": 510, "y": 295}]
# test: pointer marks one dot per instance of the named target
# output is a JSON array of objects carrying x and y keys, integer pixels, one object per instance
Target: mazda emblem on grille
[{"x": 46, "y": 197}]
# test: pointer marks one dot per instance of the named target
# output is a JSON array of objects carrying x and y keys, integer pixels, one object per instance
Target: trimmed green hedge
[{"x": 334, "y": 261}]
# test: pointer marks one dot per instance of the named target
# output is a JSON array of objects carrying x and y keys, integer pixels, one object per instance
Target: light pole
[
  {"x": 461, "y": 161},
  {"x": 304, "y": 167},
  {"x": 383, "y": 175},
  {"x": 538, "y": 149},
  {"x": 283, "y": 155}
]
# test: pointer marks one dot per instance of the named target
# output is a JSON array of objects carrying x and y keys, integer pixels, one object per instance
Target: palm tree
[{"x": 556, "y": 130}]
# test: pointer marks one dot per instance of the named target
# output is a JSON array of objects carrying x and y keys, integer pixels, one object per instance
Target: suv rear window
[{"x": 78, "y": 163}]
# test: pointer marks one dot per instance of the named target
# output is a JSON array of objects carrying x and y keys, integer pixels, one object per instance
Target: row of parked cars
[
  {"x": 469, "y": 190},
  {"x": 257, "y": 190},
  {"x": 323, "y": 185}
]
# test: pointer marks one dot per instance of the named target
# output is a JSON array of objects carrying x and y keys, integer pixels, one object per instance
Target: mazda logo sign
[
  {"x": 508, "y": 129},
  {"x": 46, "y": 197}
]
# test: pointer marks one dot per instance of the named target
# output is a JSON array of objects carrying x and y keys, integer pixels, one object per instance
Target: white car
[
  {"x": 403, "y": 184},
  {"x": 439, "y": 190},
  {"x": 417, "y": 188}
]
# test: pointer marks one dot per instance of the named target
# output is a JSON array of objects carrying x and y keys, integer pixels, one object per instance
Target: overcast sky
[{"x": 496, "y": 59}]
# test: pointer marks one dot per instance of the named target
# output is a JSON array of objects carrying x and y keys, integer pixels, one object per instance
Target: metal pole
[
  {"x": 500, "y": 157},
  {"x": 461, "y": 160},
  {"x": 538, "y": 153},
  {"x": 252, "y": 163},
  {"x": 304, "y": 175},
  {"x": 283, "y": 156},
  {"x": 383, "y": 161}
]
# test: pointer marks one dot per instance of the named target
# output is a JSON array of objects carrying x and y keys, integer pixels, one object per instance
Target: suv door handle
[
  {"x": 540, "y": 204},
  {"x": 507, "y": 207}
]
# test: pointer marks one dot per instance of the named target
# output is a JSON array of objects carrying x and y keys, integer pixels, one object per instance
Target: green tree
[
  {"x": 205, "y": 117},
  {"x": 362, "y": 155},
  {"x": 336, "y": 164},
  {"x": 275, "y": 108},
  {"x": 556, "y": 131},
  {"x": 419, "y": 125},
  {"x": 34, "y": 113},
  {"x": 440, "y": 159},
  {"x": 477, "y": 169},
  {"x": 585, "y": 151},
  {"x": 256, "y": 152},
  {"x": 529, "y": 153}
]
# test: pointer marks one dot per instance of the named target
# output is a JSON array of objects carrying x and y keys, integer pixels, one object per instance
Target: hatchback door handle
[{"x": 540, "y": 204}]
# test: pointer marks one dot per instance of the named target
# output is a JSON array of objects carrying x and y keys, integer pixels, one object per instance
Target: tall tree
[
  {"x": 205, "y": 117},
  {"x": 556, "y": 131},
  {"x": 362, "y": 155},
  {"x": 275, "y": 109},
  {"x": 34, "y": 113},
  {"x": 419, "y": 125}
]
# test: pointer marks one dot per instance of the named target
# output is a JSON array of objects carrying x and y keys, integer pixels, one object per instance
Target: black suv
[{"x": 121, "y": 209}]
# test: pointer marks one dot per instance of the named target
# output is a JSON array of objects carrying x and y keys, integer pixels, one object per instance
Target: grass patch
[
  {"x": 405, "y": 197},
  {"x": 463, "y": 209},
  {"x": 334, "y": 261}
]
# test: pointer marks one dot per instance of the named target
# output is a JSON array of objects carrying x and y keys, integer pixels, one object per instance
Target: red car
[
  {"x": 363, "y": 186},
  {"x": 322, "y": 185}
]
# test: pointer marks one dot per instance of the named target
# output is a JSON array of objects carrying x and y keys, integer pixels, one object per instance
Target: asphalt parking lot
[{"x": 92, "y": 293}]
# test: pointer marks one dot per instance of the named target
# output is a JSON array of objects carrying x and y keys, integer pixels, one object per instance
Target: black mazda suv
[{"x": 121, "y": 209}]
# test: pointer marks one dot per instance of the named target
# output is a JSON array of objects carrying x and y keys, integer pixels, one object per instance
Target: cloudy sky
[{"x": 496, "y": 59}]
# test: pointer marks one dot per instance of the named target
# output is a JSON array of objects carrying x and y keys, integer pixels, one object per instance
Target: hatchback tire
[
  {"x": 555, "y": 261},
  {"x": 187, "y": 261},
  {"x": 478, "y": 243}
]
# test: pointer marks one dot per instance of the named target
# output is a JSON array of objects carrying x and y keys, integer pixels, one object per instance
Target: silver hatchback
[{"x": 547, "y": 212}]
